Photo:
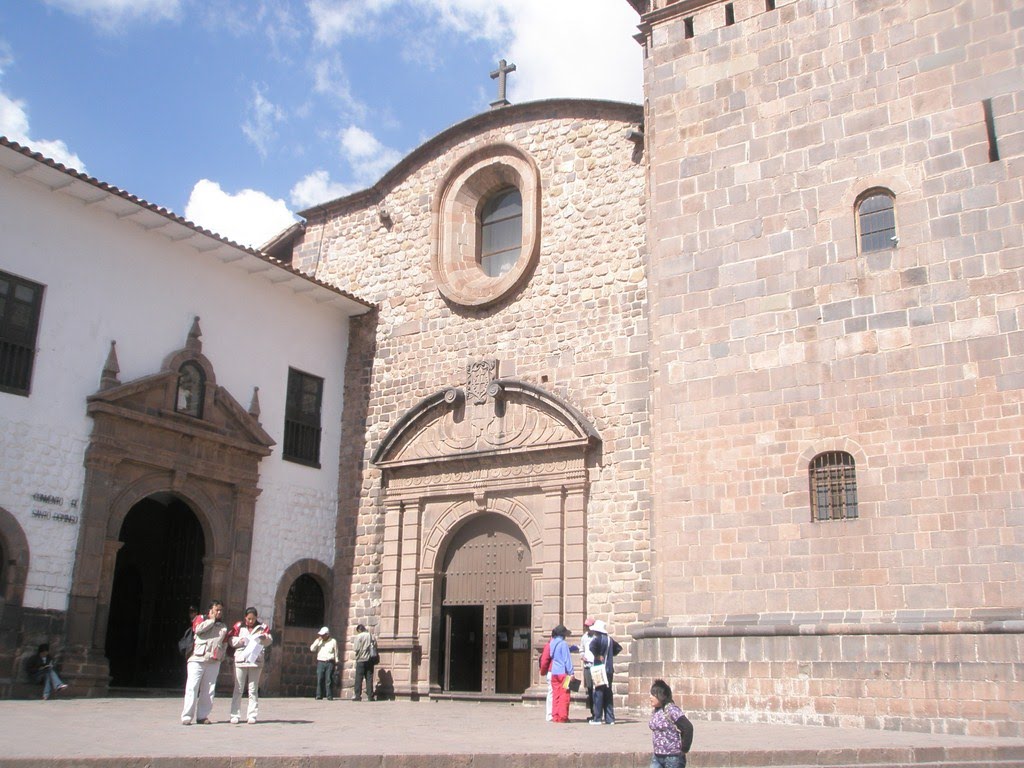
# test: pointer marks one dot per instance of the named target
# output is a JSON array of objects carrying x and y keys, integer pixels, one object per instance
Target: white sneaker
[
  {"x": 186, "y": 720},
  {"x": 234, "y": 719},
  {"x": 251, "y": 721}
]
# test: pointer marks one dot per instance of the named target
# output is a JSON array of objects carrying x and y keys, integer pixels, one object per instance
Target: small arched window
[
  {"x": 304, "y": 606},
  {"x": 833, "y": 479},
  {"x": 191, "y": 390},
  {"x": 876, "y": 221},
  {"x": 501, "y": 231}
]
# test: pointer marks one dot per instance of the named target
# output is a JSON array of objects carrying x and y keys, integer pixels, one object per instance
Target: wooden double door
[{"x": 486, "y": 609}]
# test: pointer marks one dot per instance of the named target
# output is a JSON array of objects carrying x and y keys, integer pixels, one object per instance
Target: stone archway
[
  {"x": 498, "y": 447},
  {"x": 166, "y": 433}
]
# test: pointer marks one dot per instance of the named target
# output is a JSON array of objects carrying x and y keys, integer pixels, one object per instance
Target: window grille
[
  {"x": 302, "y": 418},
  {"x": 833, "y": 481},
  {"x": 20, "y": 303},
  {"x": 304, "y": 606}
]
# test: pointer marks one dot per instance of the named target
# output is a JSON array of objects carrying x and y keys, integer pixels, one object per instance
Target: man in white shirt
[{"x": 326, "y": 649}]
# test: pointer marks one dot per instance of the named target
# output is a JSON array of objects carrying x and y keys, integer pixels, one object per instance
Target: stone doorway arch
[
  {"x": 175, "y": 432},
  {"x": 158, "y": 574},
  {"x": 485, "y": 596},
  {"x": 497, "y": 447}
]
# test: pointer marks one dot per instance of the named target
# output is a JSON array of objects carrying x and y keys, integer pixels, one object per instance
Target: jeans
[
  {"x": 604, "y": 709},
  {"x": 668, "y": 761},
  {"x": 50, "y": 679},
  {"x": 324, "y": 673},
  {"x": 364, "y": 671}
]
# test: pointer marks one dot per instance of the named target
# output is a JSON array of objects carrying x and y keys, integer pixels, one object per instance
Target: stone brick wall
[
  {"x": 577, "y": 328},
  {"x": 774, "y": 339}
]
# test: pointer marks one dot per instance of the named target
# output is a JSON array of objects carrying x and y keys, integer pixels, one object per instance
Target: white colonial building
[{"x": 170, "y": 419}]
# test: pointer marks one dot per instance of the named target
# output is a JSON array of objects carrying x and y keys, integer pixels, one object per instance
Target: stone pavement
[{"x": 302, "y": 733}]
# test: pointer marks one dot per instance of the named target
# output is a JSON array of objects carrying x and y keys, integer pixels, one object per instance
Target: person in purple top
[
  {"x": 561, "y": 668},
  {"x": 671, "y": 730}
]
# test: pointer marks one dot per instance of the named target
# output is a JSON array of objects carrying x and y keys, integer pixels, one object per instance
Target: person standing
[
  {"x": 204, "y": 665},
  {"x": 588, "y": 659},
  {"x": 249, "y": 638},
  {"x": 561, "y": 669},
  {"x": 41, "y": 668},
  {"x": 545, "y": 670},
  {"x": 365, "y": 649},
  {"x": 326, "y": 649},
  {"x": 671, "y": 730},
  {"x": 603, "y": 649}
]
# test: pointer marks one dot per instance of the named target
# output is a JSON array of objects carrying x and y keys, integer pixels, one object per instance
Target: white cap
[{"x": 324, "y": 631}]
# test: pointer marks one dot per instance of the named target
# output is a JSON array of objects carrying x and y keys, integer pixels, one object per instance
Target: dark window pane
[
  {"x": 20, "y": 303},
  {"x": 877, "y": 221},
  {"x": 501, "y": 232},
  {"x": 304, "y": 606},
  {"x": 302, "y": 418}
]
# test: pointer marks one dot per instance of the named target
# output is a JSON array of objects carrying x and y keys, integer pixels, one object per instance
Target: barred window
[
  {"x": 20, "y": 303},
  {"x": 302, "y": 418},
  {"x": 501, "y": 232},
  {"x": 833, "y": 480},
  {"x": 304, "y": 606},
  {"x": 876, "y": 221}
]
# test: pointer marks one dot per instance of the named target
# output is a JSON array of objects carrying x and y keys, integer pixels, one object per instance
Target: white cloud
[
  {"x": 368, "y": 157},
  {"x": 316, "y": 188},
  {"x": 15, "y": 126},
  {"x": 248, "y": 217},
  {"x": 568, "y": 48},
  {"x": 110, "y": 14},
  {"x": 330, "y": 79},
  {"x": 261, "y": 125}
]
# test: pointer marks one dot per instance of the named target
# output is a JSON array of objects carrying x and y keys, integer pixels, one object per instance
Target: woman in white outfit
[
  {"x": 248, "y": 638},
  {"x": 204, "y": 665}
]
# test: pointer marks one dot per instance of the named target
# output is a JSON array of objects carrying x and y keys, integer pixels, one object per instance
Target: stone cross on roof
[{"x": 501, "y": 75}]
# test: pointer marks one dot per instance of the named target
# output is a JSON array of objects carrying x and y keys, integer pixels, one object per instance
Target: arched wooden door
[{"x": 486, "y": 595}]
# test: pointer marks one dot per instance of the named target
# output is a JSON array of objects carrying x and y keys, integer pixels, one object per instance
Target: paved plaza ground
[{"x": 303, "y": 733}]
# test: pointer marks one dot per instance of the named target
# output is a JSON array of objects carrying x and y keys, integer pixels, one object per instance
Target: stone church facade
[
  {"x": 737, "y": 370},
  {"x": 750, "y": 391}
]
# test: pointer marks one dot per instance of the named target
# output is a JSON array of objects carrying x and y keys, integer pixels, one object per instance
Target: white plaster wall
[{"x": 108, "y": 279}]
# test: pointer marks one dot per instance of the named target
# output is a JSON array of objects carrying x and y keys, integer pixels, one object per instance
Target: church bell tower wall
[
  {"x": 782, "y": 333},
  {"x": 570, "y": 322}
]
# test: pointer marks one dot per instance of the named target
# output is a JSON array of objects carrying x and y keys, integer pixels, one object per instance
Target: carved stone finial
[
  {"x": 193, "y": 343},
  {"x": 254, "y": 406},
  {"x": 479, "y": 376},
  {"x": 108, "y": 378}
]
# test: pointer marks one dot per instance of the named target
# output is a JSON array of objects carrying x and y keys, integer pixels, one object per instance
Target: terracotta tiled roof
[{"x": 242, "y": 251}]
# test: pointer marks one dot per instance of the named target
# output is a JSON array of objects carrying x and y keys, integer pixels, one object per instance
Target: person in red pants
[{"x": 561, "y": 668}]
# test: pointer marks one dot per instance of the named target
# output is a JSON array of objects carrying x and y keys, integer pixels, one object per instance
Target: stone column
[{"x": 574, "y": 588}]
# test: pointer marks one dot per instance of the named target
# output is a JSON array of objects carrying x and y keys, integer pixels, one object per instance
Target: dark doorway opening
[
  {"x": 157, "y": 575},
  {"x": 463, "y": 648}
]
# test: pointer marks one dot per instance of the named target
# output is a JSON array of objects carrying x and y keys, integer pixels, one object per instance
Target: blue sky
[{"x": 236, "y": 113}]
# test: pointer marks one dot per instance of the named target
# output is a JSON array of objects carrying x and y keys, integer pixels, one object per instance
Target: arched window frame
[
  {"x": 193, "y": 405},
  {"x": 496, "y": 262},
  {"x": 876, "y": 229},
  {"x": 832, "y": 481}
]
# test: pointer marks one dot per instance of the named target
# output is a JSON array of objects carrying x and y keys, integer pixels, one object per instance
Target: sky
[{"x": 238, "y": 113}]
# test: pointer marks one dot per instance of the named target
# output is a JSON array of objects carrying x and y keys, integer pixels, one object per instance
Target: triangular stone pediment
[
  {"x": 151, "y": 399},
  {"x": 515, "y": 417}
]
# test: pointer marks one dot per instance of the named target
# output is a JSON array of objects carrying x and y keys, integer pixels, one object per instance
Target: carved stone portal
[
  {"x": 148, "y": 440},
  {"x": 502, "y": 455}
]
